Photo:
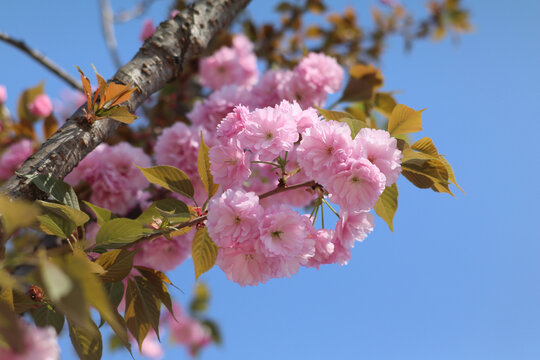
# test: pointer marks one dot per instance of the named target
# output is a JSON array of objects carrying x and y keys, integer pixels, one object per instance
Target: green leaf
[
  {"x": 387, "y": 204},
  {"x": 102, "y": 215},
  {"x": 204, "y": 252},
  {"x": 404, "y": 120},
  {"x": 142, "y": 309},
  {"x": 121, "y": 231},
  {"x": 117, "y": 263},
  {"x": 157, "y": 281},
  {"x": 203, "y": 167},
  {"x": 118, "y": 113},
  {"x": 57, "y": 283},
  {"x": 175, "y": 211},
  {"x": 67, "y": 212},
  {"x": 53, "y": 224},
  {"x": 170, "y": 178},
  {"x": 115, "y": 292},
  {"x": 199, "y": 303},
  {"x": 16, "y": 214},
  {"x": 57, "y": 189},
  {"x": 87, "y": 342},
  {"x": 45, "y": 316},
  {"x": 213, "y": 328},
  {"x": 80, "y": 268},
  {"x": 425, "y": 145},
  {"x": 354, "y": 124},
  {"x": 451, "y": 176}
]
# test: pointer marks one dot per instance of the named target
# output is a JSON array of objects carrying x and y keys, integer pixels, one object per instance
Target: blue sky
[{"x": 459, "y": 277}]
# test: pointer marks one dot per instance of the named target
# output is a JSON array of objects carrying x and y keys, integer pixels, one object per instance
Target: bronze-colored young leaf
[
  {"x": 45, "y": 315},
  {"x": 451, "y": 176},
  {"x": 204, "y": 252},
  {"x": 57, "y": 189},
  {"x": 385, "y": 103},
  {"x": 404, "y": 120},
  {"x": 102, "y": 86},
  {"x": 102, "y": 215},
  {"x": 16, "y": 214},
  {"x": 426, "y": 173},
  {"x": 142, "y": 309},
  {"x": 387, "y": 204},
  {"x": 203, "y": 167},
  {"x": 425, "y": 145},
  {"x": 120, "y": 231},
  {"x": 10, "y": 329},
  {"x": 6, "y": 297},
  {"x": 117, "y": 94},
  {"x": 26, "y": 118},
  {"x": 115, "y": 292},
  {"x": 50, "y": 125},
  {"x": 87, "y": 92},
  {"x": 364, "y": 82},
  {"x": 170, "y": 178},
  {"x": 157, "y": 281},
  {"x": 86, "y": 341},
  {"x": 333, "y": 115},
  {"x": 116, "y": 263}
]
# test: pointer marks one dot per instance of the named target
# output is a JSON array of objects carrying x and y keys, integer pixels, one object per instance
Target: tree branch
[
  {"x": 43, "y": 60},
  {"x": 107, "y": 26},
  {"x": 158, "y": 61}
]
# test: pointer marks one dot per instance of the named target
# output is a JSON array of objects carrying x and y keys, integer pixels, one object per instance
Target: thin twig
[
  {"x": 43, "y": 60},
  {"x": 277, "y": 190},
  {"x": 137, "y": 11},
  {"x": 107, "y": 26}
]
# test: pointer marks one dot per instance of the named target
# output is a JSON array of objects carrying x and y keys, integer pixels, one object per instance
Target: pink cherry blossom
[
  {"x": 213, "y": 109},
  {"x": 41, "y": 106},
  {"x": 321, "y": 72},
  {"x": 229, "y": 164},
  {"x": 324, "y": 149},
  {"x": 3, "y": 94},
  {"x": 38, "y": 344},
  {"x": 341, "y": 255},
  {"x": 148, "y": 28},
  {"x": 381, "y": 150},
  {"x": 324, "y": 248},
  {"x": 163, "y": 254},
  {"x": 186, "y": 330},
  {"x": 14, "y": 156},
  {"x": 233, "y": 218},
  {"x": 293, "y": 87},
  {"x": 267, "y": 91},
  {"x": 232, "y": 124},
  {"x": 268, "y": 132},
  {"x": 151, "y": 347},
  {"x": 353, "y": 226},
  {"x": 304, "y": 118},
  {"x": 244, "y": 265},
  {"x": 282, "y": 232},
  {"x": 236, "y": 65},
  {"x": 112, "y": 175},
  {"x": 357, "y": 186}
]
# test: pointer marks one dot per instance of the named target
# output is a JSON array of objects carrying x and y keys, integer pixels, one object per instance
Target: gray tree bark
[{"x": 159, "y": 60}]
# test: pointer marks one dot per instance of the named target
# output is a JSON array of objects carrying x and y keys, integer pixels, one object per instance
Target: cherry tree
[{"x": 237, "y": 160}]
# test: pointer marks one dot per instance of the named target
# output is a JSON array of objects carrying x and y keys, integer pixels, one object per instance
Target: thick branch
[
  {"x": 43, "y": 60},
  {"x": 158, "y": 61}
]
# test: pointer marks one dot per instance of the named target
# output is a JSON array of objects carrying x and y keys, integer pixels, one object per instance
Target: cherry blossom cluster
[
  {"x": 232, "y": 74},
  {"x": 115, "y": 181},
  {"x": 38, "y": 343},
  {"x": 263, "y": 149}
]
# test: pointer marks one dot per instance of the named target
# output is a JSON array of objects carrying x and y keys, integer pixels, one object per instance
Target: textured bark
[{"x": 158, "y": 61}]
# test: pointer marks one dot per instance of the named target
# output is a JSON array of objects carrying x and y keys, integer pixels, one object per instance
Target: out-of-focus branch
[
  {"x": 107, "y": 26},
  {"x": 158, "y": 61},
  {"x": 43, "y": 60},
  {"x": 139, "y": 10}
]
